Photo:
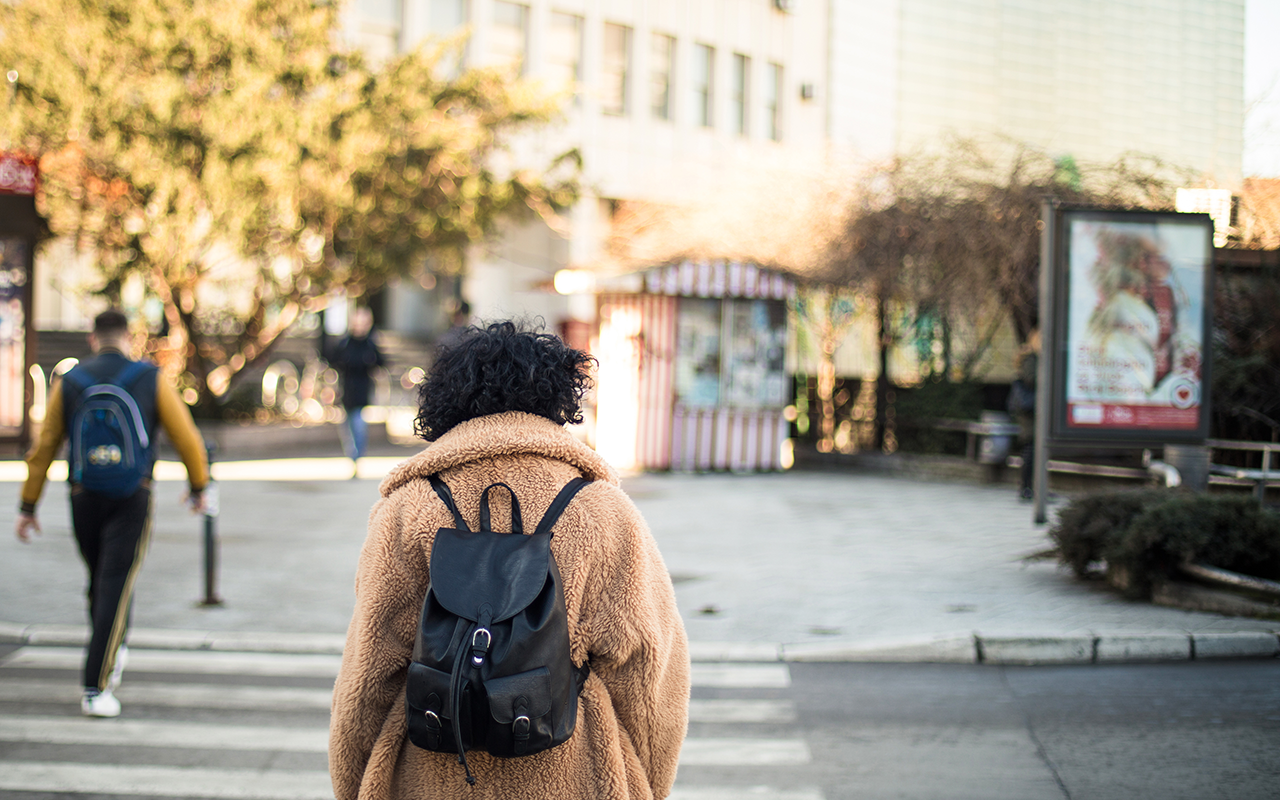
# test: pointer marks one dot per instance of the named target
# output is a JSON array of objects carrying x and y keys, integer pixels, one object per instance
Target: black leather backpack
[{"x": 491, "y": 668}]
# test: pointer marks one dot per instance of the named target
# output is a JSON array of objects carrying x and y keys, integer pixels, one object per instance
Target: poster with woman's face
[{"x": 1135, "y": 338}]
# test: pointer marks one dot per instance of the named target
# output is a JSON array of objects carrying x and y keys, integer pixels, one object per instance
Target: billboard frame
[{"x": 1065, "y": 331}]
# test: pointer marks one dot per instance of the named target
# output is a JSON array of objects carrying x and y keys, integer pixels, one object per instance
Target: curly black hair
[{"x": 502, "y": 367}]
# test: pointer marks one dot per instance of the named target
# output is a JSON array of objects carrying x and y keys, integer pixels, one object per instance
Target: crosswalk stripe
[
  {"x": 285, "y": 698},
  {"x": 206, "y": 662},
  {"x": 709, "y": 752},
  {"x": 269, "y": 784},
  {"x": 741, "y": 676},
  {"x": 176, "y": 695},
  {"x": 321, "y": 665},
  {"x": 743, "y": 793},
  {"x": 228, "y": 784},
  {"x": 242, "y": 784},
  {"x": 146, "y": 733},
  {"x": 741, "y": 711}
]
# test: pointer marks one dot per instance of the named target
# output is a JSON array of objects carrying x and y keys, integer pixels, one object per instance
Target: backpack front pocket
[
  {"x": 520, "y": 719},
  {"x": 429, "y": 715}
]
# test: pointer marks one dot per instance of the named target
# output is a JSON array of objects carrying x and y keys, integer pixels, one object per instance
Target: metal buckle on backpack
[{"x": 477, "y": 652}]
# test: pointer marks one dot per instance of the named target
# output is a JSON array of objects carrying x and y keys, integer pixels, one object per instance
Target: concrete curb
[{"x": 967, "y": 648}]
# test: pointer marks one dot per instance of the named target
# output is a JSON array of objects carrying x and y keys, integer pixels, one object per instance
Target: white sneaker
[
  {"x": 99, "y": 704},
  {"x": 117, "y": 672}
]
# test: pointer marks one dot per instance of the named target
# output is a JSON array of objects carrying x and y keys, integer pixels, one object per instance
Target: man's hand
[
  {"x": 197, "y": 502},
  {"x": 25, "y": 525}
]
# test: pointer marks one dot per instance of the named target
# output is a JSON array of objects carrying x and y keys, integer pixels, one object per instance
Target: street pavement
[
  {"x": 833, "y": 565},
  {"x": 230, "y": 700}
]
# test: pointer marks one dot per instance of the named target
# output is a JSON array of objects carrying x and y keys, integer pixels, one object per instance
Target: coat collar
[{"x": 510, "y": 433}]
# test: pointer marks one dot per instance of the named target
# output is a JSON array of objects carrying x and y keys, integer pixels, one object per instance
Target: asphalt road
[
  {"x": 945, "y": 732},
  {"x": 214, "y": 725}
]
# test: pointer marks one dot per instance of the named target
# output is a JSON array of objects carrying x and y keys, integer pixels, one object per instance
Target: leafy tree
[{"x": 243, "y": 162}]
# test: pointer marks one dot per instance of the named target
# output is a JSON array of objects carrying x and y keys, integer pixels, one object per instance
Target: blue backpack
[{"x": 110, "y": 446}]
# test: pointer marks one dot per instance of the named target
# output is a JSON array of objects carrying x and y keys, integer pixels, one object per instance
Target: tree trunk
[
  {"x": 826, "y": 393},
  {"x": 882, "y": 379}
]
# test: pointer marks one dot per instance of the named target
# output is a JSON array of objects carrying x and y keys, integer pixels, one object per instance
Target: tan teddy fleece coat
[{"x": 634, "y": 707}]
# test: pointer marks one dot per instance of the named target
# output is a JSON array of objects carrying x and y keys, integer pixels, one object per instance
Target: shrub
[
  {"x": 1147, "y": 534},
  {"x": 1088, "y": 526},
  {"x": 1234, "y": 533}
]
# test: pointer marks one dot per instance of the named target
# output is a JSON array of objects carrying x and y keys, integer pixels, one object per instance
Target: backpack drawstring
[{"x": 455, "y": 702}]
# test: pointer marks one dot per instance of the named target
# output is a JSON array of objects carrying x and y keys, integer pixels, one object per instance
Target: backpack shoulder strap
[
  {"x": 447, "y": 497},
  {"x": 131, "y": 373},
  {"x": 559, "y": 504},
  {"x": 78, "y": 379}
]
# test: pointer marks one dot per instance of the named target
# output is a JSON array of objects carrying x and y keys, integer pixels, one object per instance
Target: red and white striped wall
[{"x": 639, "y": 425}]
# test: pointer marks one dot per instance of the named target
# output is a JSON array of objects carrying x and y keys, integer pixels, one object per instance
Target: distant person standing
[
  {"x": 1022, "y": 407},
  {"x": 109, "y": 406},
  {"x": 459, "y": 328},
  {"x": 356, "y": 356}
]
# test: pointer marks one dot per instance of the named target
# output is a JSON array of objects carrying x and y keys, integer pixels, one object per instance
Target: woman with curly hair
[{"x": 494, "y": 409}]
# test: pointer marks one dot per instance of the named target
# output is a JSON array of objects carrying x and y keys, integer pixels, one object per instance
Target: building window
[
  {"x": 617, "y": 60},
  {"x": 385, "y": 11},
  {"x": 564, "y": 51},
  {"x": 704, "y": 62},
  {"x": 741, "y": 91},
  {"x": 773, "y": 102},
  {"x": 509, "y": 38},
  {"x": 664, "y": 66},
  {"x": 446, "y": 16},
  {"x": 378, "y": 30}
]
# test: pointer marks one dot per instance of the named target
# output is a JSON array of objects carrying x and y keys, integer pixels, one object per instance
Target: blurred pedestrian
[
  {"x": 110, "y": 406},
  {"x": 459, "y": 326},
  {"x": 356, "y": 356},
  {"x": 494, "y": 409},
  {"x": 1022, "y": 407}
]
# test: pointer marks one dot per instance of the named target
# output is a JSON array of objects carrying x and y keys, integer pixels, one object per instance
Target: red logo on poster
[{"x": 18, "y": 174}]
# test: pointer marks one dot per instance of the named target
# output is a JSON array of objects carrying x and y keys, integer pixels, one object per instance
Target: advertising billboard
[{"x": 1133, "y": 292}]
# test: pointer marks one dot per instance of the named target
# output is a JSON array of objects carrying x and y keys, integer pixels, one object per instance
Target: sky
[{"x": 1262, "y": 88}]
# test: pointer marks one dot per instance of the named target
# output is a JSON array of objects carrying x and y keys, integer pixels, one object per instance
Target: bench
[
  {"x": 1260, "y": 479},
  {"x": 974, "y": 430}
]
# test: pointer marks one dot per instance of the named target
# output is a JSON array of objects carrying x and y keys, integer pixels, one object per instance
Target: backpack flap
[
  {"x": 430, "y": 717},
  {"x": 520, "y": 709},
  {"x": 472, "y": 569}
]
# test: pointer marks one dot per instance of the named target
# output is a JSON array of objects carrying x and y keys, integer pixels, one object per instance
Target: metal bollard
[{"x": 211, "y": 597}]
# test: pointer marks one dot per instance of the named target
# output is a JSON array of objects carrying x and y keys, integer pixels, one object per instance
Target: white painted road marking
[
  {"x": 741, "y": 676},
  {"x": 744, "y": 752},
  {"x": 743, "y": 793},
  {"x": 232, "y": 784},
  {"x": 741, "y": 711},
  {"x": 237, "y": 783},
  {"x": 227, "y": 697},
  {"x": 146, "y": 733},
  {"x": 208, "y": 662}
]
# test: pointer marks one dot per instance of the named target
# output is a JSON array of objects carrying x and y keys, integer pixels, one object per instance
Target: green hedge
[{"x": 1148, "y": 533}]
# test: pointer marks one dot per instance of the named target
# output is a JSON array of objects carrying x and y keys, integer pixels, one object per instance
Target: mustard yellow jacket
[{"x": 622, "y": 612}]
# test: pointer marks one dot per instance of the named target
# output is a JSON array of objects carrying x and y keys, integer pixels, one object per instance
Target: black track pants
[{"x": 113, "y": 533}]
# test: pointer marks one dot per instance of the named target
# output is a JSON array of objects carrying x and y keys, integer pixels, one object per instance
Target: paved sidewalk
[{"x": 795, "y": 566}]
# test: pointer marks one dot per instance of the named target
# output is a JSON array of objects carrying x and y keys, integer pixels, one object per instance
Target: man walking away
[
  {"x": 110, "y": 407},
  {"x": 356, "y": 356}
]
